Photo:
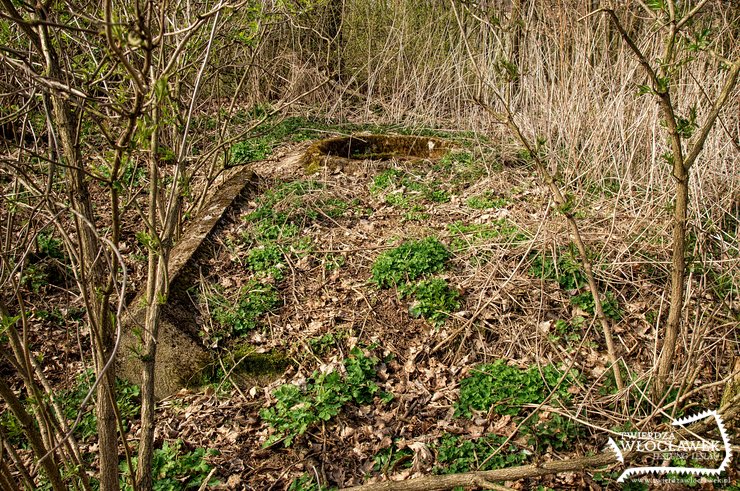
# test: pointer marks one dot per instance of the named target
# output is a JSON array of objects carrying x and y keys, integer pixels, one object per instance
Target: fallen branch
[
  {"x": 729, "y": 411},
  {"x": 432, "y": 483}
]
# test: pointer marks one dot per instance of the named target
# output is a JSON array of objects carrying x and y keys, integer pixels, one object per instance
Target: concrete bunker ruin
[{"x": 181, "y": 356}]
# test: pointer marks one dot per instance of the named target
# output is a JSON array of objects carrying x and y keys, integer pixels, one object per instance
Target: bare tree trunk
[
  {"x": 91, "y": 277},
  {"x": 50, "y": 466},
  {"x": 678, "y": 279},
  {"x": 151, "y": 324}
]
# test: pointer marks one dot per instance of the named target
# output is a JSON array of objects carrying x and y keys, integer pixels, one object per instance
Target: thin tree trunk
[
  {"x": 678, "y": 281},
  {"x": 91, "y": 276},
  {"x": 49, "y": 464},
  {"x": 151, "y": 325}
]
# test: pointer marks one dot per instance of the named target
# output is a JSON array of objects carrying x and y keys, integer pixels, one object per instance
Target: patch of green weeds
[
  {"x": 462, "y": 165},
  {"x": 456, "y": 454},
  {"x": 566, "y": 270},
  {"x": 409, "y": 262},
  {"x": 306, "y": 482},
  {"x": 386, "y": 179},
  {"x": 267, "y": 260},
  {"x": 173, "y": 468},
  {"x": 250, "y": 150},
  {"x": 434, "y": 299},
  {"x": 567, "y": 332},
  {"x": 455, "y": 158},
  {"x": 280, "y": 212},
  {"x": 556, "y": 432},
  {"x": 334, "y": 261},
  {"x": 50, "y": 246},
  {"x": 405, "y": 190},
  {"x": 13, "y": 430},
  {"x": 238, "y": 316},
  {"x": 323, "y": 344},
  {"x": 333, "y": 207},
  {"x": 465, "y": 236},
  {"x": 70, "y": 400},
  {"x": 392, "y": 458},
  {"x": 48, "y": 265},
  {"x": 486, "y": 200},
  {"x": 128, "y": 397},
  {"x": 609, "y": 304},
  {"x": 323, "y": 397},
  {"x": 507, "y": 388},
  {"x": 303, "y": 246},
  {"x": 35, "y": 277},
  {"x": 408, "y": 267},
  {"x": 415, "y": 215}
]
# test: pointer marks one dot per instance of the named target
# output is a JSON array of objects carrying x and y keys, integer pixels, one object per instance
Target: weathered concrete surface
[{"x": 181, "y": 356}]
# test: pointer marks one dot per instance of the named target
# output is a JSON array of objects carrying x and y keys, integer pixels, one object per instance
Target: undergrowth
[
  {"x": 408, "y": 267},
  {"x": 325, "y": 394},
  {"x": 457, "y": 454},
  {"x": 508, "y": 390},
  {"x": 235, "y": 317},
  {"x": 409, "y": 262},
  {"x": 569, "y": 275},
  {"x": 173, "y": 468}
]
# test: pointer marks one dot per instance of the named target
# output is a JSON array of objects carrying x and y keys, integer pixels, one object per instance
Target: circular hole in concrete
[{"x": 373, "y": 147}]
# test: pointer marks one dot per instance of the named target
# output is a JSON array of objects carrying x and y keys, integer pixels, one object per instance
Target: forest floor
[{"x": 415, "y": 317}]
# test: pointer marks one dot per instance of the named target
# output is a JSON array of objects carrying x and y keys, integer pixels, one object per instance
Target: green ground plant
[
  {"x": 280, "y": 213},
  {"x": 306, "y": 482},
  {"x": 272, "y": 229},
  {"x": 456, "y": 454},
  {"x": 392, "y": 458},
  {"x": 236, "y": 317},
  {"x": 323, "y": 397},
  {"x": 506, "y": 390},
  {"x": 321, "y": 345},
  {"x": 409, "y": 262},
  {"x": 407, "y": 191},
  {"x": 50, "y": 246},
  {"x": 465, "y": 235},
  {"x": 174, "y": 468},
  {"x": 462, "y": 167},
  {"x": 565, "y": 270},
  {"x": 267, "y": 260},
  {"x": 128, "y": 399},
  {"x": 609, "y": 303},
  {"x": 433, "y": 299},
  {"x": 569, "y": 275},
  {"x": 487, "y": 200},
  {"x": 408, "y": 267},
  {"x": 567, "y": 332}
]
